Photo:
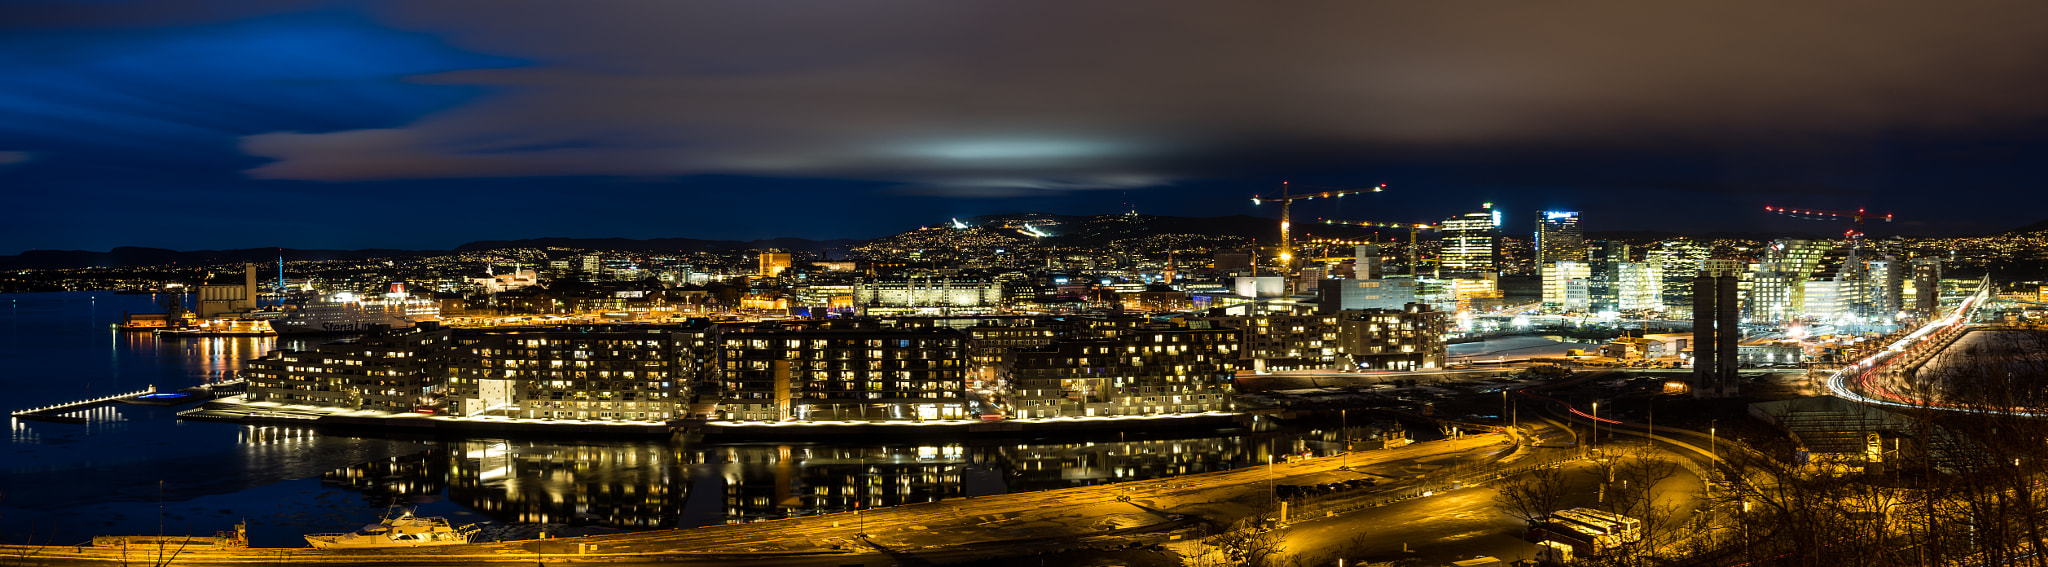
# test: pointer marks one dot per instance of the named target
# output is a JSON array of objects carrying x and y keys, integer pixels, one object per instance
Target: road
[{"x": 1151, "y": 511}]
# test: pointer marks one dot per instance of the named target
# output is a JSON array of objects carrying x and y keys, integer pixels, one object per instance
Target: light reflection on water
[
  {"x": 102, "y": 477},
  {"x": 653, "y": 484}
]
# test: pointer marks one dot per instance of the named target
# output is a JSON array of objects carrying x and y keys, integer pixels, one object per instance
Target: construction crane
[
  {"x": 1851, "y": 236},
  {"x": 1412, "y": 229},
  {"x": 1856, "y": 216},
  {"x": 1286, "y": 200}
]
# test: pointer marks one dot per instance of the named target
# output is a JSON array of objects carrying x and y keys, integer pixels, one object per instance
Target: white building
[
  {"x": 1566, "y": 286},
  {"x": 927, "y": 295},
  {"x": 1640, "y": 286}
]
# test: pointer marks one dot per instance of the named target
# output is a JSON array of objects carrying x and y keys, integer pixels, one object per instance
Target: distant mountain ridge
[
  {"x": 1066, "y": 230},
  {"x": 2038, "y": 226},
  {"x": 134, "y": 256},
  {"x": 678, "y": 244}
]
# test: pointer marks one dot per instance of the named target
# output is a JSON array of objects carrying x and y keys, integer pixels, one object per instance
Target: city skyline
[{"x": 341, "y": 125}]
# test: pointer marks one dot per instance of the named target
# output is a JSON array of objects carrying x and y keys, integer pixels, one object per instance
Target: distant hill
[
  {"x": 1068, "y": 230},
  {"x": 677, "y": 244},
  {"x": 1065, "y": 231},
  {"x": 2041, "y": 226},
  {"x": 131, "y": 256},
  {"x": 1648, "y": 236}
]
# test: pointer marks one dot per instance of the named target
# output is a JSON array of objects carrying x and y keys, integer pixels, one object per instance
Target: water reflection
[
  {"x": 208, "y": 359},
  {"x": 653, "y": 484}
]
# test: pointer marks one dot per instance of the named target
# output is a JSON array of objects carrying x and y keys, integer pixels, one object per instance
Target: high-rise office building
[
  {"x": 1638, "y": 286},
  {"x": 1605, "y": 258},
  {"x": 1679, "y": 260},
  {"x": 1558, "y": 238},
  {"x": 1471, "y": 242},
  {"x": 1926, "y": 286},
  {"x": 1566, "y": 286},
  {"x": 1884, "y": 282},
  {"x": 1715, "y": 332}
]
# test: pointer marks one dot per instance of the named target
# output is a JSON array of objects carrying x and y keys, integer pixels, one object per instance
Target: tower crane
[
  {"x": 1412, "y": 229},
  {"x": 1857, "y": 216},
  {"x": 1286, "y": 200}
]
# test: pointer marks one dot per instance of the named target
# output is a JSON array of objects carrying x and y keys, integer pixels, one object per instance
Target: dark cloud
[
  {"x": 866, "y": 117},
  {"x": 1020, "y": 96}
]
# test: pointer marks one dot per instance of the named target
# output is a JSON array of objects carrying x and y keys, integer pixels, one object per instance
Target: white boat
[
  {"x": 347, "y": 312},
  {"x": 403, "y": 530}
]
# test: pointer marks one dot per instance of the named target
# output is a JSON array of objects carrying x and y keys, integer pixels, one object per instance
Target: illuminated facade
[
  {"x": 1471, "y": 242},
  {"x": 1135, "y": 369},
  {"x": 1382, "y": 293},
  {"x": 1778, "y": 285},
  {"x": 1679, "y": 260},
  {"x": 773, "y": 263},
  {"x": 1926, "y": 286},
  {"x": 922, "y": 294},
  {"x": 395, "y": 371},
  {"x": 1410, "y": 338},
  {"x": 1639, "y": 286},
  {"x": 1285, "y": 342},
  {"x": 1566, "y": 287},
  {"x": 609, "y": 374},
  {"x": 1558, "y": 238},
  {"x": 1474, "y": 292},
  {"x": 774, "y": 374}
]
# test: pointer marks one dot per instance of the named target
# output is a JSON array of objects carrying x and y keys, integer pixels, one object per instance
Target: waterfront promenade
[{"x": 1103, "y": 516}]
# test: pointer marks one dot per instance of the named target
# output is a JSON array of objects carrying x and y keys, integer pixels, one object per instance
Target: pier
[{"x": 64, "y": 412}]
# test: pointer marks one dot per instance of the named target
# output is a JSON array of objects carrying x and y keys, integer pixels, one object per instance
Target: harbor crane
[
  {"x": 1412, "y": 227},
  {"x": 1286, "y": 200}
]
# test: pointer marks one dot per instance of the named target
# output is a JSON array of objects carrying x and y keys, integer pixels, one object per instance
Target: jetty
[{"x": 67, "y": 412}]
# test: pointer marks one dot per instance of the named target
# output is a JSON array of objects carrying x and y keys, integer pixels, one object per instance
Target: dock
[{"x": 64, "y": 412}]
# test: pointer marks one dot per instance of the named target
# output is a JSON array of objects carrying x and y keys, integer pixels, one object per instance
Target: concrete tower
[{"x": 1715, "y": 333}]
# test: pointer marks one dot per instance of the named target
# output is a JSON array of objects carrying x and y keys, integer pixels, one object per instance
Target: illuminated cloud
[{"x": 8, "y": 158}]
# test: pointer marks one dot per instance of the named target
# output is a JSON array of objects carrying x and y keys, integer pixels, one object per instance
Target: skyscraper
[
  {"x": 1679, "y": 260},
  {"x": 1558, "y": 238},
  {"x": 1926, "y": 286},
  {"x": 1606, "y": 258},
  {"x": 1471, "y": 241},
  {"x": 1715, "y": 333},
  {"x": 1638, "y": 286}
]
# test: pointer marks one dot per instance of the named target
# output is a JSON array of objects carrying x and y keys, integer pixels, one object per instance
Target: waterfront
[{"x": 63, "y": 483}]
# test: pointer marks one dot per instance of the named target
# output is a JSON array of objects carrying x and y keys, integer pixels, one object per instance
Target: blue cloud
[{"x": 192, "y": 90}]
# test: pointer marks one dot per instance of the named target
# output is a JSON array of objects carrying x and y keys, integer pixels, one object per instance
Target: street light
[
  {"x": 1596, "y": 423},
  {"x": 1344, "y": 426},
  {"x": 1713, "y": 441}
]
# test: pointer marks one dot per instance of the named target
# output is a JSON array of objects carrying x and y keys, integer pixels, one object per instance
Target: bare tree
[{"x": 1531, "y": 495}]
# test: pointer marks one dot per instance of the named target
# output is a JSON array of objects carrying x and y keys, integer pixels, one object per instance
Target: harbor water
[{"x": 137, "y": 470}]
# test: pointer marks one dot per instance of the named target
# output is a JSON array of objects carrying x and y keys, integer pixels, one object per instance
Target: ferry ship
[{"x": 346, "y": 312}]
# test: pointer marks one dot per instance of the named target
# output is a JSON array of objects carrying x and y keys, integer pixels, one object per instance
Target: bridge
[{"x": 1887, "y": 378}]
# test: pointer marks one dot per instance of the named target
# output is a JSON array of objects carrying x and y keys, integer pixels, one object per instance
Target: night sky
[{"x": 423, "y": 124}]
